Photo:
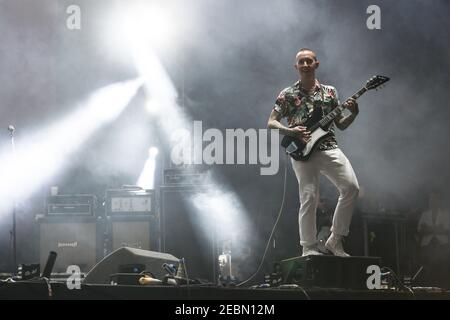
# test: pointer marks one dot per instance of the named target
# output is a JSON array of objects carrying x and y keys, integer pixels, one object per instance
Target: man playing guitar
[{"x": 297, "y": 103}]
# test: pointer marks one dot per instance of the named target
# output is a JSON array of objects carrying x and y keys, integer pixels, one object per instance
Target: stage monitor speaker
[
  {"x": 72, "y": 238},
  {"x": 184, "y": 232},
  {"x": 122, "y": 257},
  {"x": 328, "y": 271}
]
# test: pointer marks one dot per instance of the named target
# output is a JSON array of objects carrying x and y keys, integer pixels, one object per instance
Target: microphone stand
[{"x": 14, "y": 227}]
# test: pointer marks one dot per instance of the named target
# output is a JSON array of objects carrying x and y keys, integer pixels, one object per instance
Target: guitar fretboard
[{"x": 326, "y": 120}]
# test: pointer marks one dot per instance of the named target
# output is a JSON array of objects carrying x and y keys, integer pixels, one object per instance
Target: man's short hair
[
  {"x": 305, "y": 49},
  {"x": 308, "y": 49}
]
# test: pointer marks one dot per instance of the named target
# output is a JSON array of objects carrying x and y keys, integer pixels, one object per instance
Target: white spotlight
[
  {"x": 153, "y": 152},
  {"x": 141, "y": 23},
  {"x": 152, "y": 106},
  {"x": 147, "y": 177}
]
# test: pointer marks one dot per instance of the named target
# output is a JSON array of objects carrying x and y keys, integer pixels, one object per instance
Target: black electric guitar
[{"x": 319, "y": 125}]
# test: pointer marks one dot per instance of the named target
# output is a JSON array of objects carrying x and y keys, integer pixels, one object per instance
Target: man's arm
[
  {"x": 274, "y": 123},
  {"x": 343, "y": 122},
  {"x": 298, "y": 131}
]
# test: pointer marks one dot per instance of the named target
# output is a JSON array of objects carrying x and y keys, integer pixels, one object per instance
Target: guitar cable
[{"x": 273, "y": 229}]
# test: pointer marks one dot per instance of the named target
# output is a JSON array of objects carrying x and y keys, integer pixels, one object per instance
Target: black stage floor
[{"x": 59, "y": 291}]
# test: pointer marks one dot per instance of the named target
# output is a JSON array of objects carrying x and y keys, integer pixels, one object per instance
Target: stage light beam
[
  {"x": 147, "y": 177},
  {"x": 152, "y": 106},
  {"x": 42, "y": 155}
]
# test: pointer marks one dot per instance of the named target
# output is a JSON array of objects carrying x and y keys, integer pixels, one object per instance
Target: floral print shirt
[{"x": 297, "y": 105}]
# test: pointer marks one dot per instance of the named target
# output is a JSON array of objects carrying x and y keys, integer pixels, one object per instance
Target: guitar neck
[{"x": 325, "y": 121}]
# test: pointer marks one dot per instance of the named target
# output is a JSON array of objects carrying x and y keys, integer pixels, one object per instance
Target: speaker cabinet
[
  {"x": 386, "y": 236},
  {"x": 140, "y": 232},
  {"x": 74, "y": 239},
  {"x": 183, "y": 231},
  {"x": 114, "y": 262}
]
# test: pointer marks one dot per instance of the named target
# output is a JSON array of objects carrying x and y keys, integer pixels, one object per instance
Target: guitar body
[
  {"x": 299, "y": 150},
  {"x": 319, "y": 125}
]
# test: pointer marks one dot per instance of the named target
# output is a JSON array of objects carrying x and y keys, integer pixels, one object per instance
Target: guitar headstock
[{"x": 375, "y": 82}]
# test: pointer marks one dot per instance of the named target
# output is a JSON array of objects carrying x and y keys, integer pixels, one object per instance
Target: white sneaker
[
  {"x": 311, "y": 251},
  {"x": 334, "y": 244}
]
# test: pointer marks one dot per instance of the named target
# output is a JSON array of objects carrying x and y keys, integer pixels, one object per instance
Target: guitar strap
[
  {"x": 322, "y": 104},
  {"x": 322, "y": 100}
]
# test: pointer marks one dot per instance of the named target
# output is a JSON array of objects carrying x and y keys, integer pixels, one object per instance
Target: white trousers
[{"x": 336, "y": 167}]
